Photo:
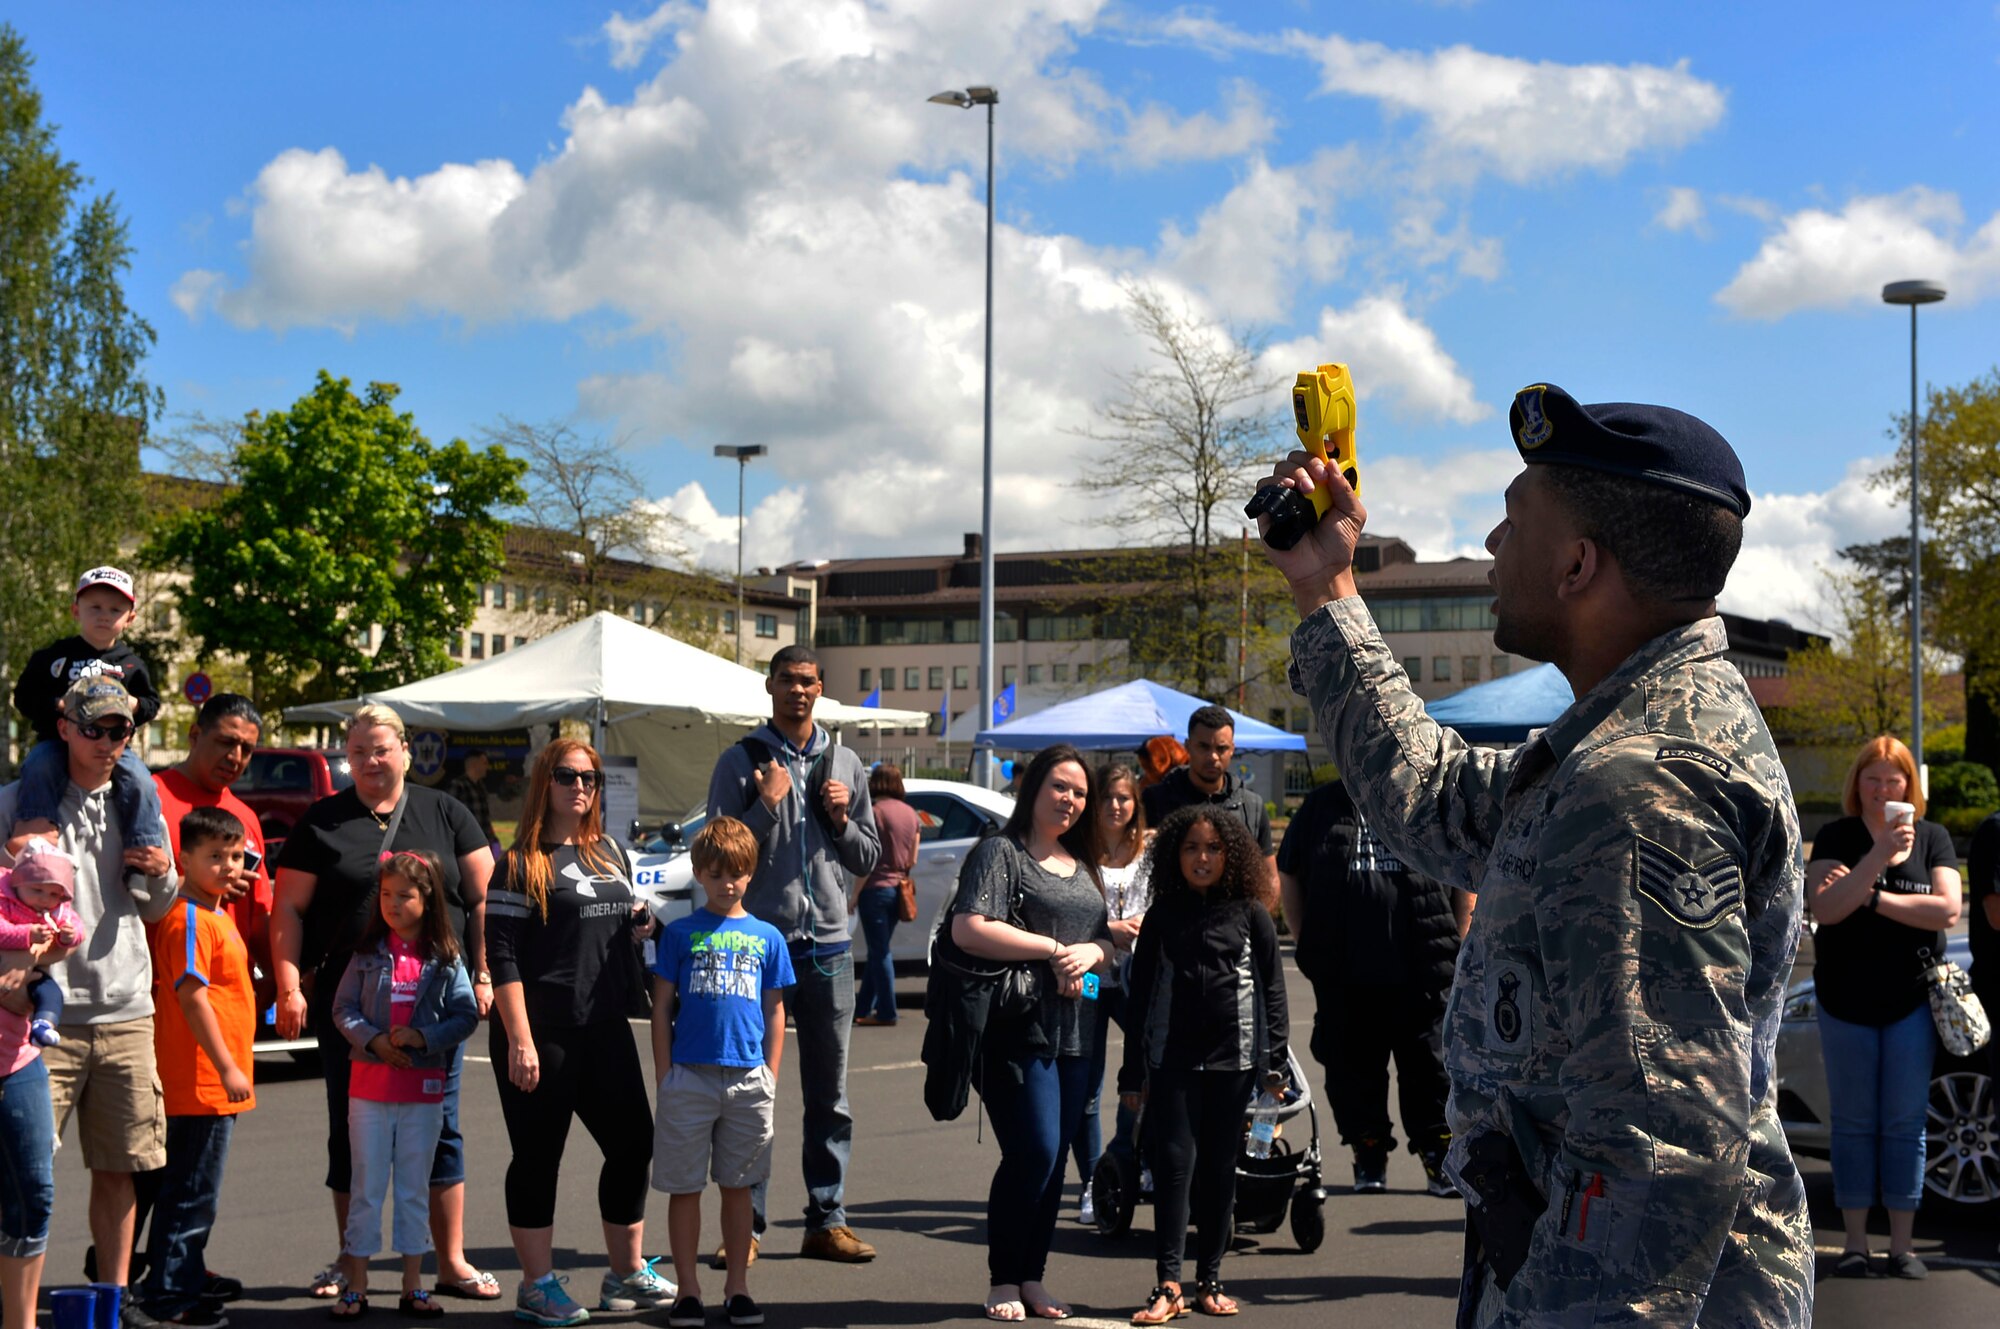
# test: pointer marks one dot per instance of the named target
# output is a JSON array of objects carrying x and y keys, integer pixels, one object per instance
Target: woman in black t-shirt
[
  {"x": 563, "y": 930},
  {"x": 325, "y": 892},
  {"x": 1882, "y": 886},
  {"x": 1031, "y": 894}
]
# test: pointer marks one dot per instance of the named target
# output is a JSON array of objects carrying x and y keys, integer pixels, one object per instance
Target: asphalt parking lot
[{"x": 917, "y": 1191}]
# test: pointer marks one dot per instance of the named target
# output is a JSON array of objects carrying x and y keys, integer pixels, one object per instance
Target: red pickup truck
[{"x": 283, "y": 782}]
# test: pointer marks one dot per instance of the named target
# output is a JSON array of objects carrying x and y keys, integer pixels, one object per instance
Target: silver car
[
  {"x": 1962, "y": 1146},
  {"x": 951, "y": 817}
]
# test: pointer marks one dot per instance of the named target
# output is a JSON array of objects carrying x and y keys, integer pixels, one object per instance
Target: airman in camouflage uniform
[{"x": 1612, "y": 1023}]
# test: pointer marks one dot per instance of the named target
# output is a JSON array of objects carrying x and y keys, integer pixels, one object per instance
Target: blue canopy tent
[
  {"x": 1505, "y": 710},
  {"x": 1120, "y": 719}
]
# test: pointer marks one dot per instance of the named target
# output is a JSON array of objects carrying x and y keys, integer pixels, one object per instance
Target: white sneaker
[
  {"x": 641, "y": 1290},
  {"x": 1087, "y": 1213}
]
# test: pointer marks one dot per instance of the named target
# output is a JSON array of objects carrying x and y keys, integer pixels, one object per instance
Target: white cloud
[
  {"x": 771, "y": 529},
  {"x": 1788, "y": 538},
  {"x": 1683, "y": 211},
  {"x": 631, "y": 38},
  {"x": 1522, "y": 119},
  {"x": 1250, "y": 252},
  {"x": 1157, "y": 134},
  {"x": 1392, "y": 353},
  {"x": 1829, "y": 260}
]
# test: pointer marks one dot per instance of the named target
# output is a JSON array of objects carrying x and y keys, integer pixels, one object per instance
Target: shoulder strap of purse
[{"x": 395, "y": 822}]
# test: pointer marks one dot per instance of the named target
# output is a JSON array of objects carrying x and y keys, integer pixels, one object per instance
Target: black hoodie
[{"x": 53, "y": 669}]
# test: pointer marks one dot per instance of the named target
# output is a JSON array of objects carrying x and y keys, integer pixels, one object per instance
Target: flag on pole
[
  {"x": 944, "y": 708},
  {"x": 1003, "y": 706},
  {"x": 873, "y": 699}
]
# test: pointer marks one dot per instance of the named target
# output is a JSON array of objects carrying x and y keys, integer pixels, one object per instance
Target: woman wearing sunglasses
[{"x": 563, "y": 929}]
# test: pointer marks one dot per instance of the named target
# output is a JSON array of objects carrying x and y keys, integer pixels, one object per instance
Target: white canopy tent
[{"x": 673, "y": 706}]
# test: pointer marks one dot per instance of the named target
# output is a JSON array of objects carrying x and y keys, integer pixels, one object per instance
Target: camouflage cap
[
  {"x": 1655, "y": 444},
  {"x": 91, "y": 699}
]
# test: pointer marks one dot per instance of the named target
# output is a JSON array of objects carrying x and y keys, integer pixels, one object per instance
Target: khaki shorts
[
  {"x": 106, "y": 1075},
  {"x": 714, "y": 1120}
]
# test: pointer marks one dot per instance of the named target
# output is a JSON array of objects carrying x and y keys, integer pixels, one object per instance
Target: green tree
[
  {"x": 344, "y": 529},
  {"x": 1180, "y": 447},
  {"x": 1857, "y": 686},
  {"x": 74, "y": 405}
]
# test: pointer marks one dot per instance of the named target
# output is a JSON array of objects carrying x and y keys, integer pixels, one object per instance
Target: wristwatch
[{"x": 483, "y": 977}]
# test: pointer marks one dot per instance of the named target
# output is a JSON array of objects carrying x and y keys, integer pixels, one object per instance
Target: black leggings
[
  {"x": 1193, "y": 1133},
  {"x": 592, "y": 1074}
]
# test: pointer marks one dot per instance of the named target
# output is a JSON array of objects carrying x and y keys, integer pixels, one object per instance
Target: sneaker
[
  {"x": 641, "y": 1290},
  {"x": 201, "y": 1315},
  {"x": 1435, "y": 1181},
  {"x": 1371, "y": 1174},
  {"x": 742, "y": 1310},
  {"x": 43, "y": 1034},
  {"x": 688, "y": 1313},
  {"x": 221, "y": 1287},
  {"x": 838, "y": 1244},
  {"x": 1086, "y": 1213},
  {"x": 131, "y": 1317},
  {"x": 548, "y": 1303},
  {"x": 720, "y": 1260},
  {"x": 1906, "y": 1265}
]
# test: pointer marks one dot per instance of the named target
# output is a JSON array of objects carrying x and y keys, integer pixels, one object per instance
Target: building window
[
  {"x": 520, "y": 641},
  {"x": 479, "y": 646},
  {"x": 912, "y": 678},
  {"x": 889, "y": 680},
  {"x": 482, "y": 595},
  {"x": 1440, "y": 669},
  {"x": 1059, "y": 673},
  {"x": 1084, "y": 671},
  {"x": 1413, "y": 665},
  {"x": 541, "y": 599},
  {"x": 729, "y": 620},
  {"x": 1469, "y": 669},
  {"x": 456, "y": 646},
  {"x": 1034, "y": 675},
  {"x": 1006, "y": 676},
  {"x": 1500, "y": 666},
  {"x": 498, "y": 590},
  {"x": 867, "y": 681},
  {"x": 937, "y": 678},
  {"x": 499, "y": 643},
  {"x": 961, "y": 676},
  {"x": 520, "y": 596},
  {"x": 767, "y": 625}
]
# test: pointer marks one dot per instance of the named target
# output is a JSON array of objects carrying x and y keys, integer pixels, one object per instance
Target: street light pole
[
  {"x": 742, "y": 456},
  {"x": 1914, "y": 293},
  {"x": 982, "y": 771}
]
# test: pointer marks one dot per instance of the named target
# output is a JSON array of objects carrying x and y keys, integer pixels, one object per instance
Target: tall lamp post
[
  {"x": 742, "y": 456},
  {"x": 982, "y": 773},
  {"x": 1914, "y": 293}
]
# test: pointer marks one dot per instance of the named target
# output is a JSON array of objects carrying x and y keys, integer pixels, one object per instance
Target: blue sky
[{"x": 740, "y": 222}]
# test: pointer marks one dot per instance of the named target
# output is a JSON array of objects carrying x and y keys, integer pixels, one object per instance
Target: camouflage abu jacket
[{"x": 1616, "y": 1004}]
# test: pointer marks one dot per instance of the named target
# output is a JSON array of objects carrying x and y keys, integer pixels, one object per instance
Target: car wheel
[{"x": 1962, "y": 1138}]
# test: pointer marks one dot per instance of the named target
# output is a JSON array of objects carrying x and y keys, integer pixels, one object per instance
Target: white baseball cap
[{"x": 116, "y": 579}]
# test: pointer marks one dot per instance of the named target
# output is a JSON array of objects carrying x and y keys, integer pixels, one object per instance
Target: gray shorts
[{"x": 713, "y": 1121}]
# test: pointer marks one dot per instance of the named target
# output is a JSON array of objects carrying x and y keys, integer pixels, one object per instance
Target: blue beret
[{"x": 1656, "y": 444}]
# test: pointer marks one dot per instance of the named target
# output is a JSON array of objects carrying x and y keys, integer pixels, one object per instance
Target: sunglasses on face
[
  {"x": 567, "y": 776},
  {"x": 115, "y": 730}
]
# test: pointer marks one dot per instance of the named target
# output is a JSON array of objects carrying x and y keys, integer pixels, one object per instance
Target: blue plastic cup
[
  {"x": 73, "y": 1308},
  {"x": 110, "y": 1300}
]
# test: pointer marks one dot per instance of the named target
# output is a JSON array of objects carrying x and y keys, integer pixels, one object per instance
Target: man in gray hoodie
[
  {"x": 103, "y": 1069},
  {"x": 805, "y": 798}
]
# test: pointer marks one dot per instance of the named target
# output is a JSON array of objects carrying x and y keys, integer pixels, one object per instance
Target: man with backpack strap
[{"x": 805, "y": 798}]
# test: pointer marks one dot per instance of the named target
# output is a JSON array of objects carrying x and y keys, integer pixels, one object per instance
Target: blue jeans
[
  {"x": 1089, "y": 1141},
  {"x": 337, "y": 1065},
  {"x": 877, "y": 996},
  {"x": 1878, "y": 1085},
  {"x": 45, "y": 779},
  {"x": 393, "y": 1145},
  {"x": 1034, "y": 1122},
  {"x": 822, "y": 1006},
  {"x": 27, "y": 1162},
  {"x": 184, "y": 1212}
]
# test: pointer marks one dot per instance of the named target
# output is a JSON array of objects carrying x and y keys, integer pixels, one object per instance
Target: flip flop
[
  {"x": 351, "y": 1306},
  {"x": 1007, "y": 1310},
  {"x": 476, "y": 1286}
]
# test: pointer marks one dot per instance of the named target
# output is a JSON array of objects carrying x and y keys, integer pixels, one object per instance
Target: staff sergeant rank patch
[{"x": 1695, "y": 897}]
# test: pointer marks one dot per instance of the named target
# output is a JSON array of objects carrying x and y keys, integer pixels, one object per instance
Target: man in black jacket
[
  {"x": 1211, "y": 744},
  {"x": 1378, "y": 943}
]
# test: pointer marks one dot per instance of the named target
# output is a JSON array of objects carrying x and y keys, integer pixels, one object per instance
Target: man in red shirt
[{"x": 224, "y": 735}]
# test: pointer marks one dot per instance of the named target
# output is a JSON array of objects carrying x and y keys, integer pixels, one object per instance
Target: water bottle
[{"x": 1264, "y": 1127}]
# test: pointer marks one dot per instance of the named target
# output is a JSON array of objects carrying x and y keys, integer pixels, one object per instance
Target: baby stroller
[{"x": 1288, "y": 1177}]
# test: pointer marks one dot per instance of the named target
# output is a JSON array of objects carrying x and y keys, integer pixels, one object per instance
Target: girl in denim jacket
[{"x": 404, "y": 1003}]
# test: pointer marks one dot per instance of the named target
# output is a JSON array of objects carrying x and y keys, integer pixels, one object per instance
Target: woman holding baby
[{"x": 1883, "y": 887}]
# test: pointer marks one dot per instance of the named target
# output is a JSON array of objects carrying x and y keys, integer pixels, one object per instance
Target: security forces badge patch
[
  {"x": 1534, "y": 429},
  {"x": 1694, "y": 897}
]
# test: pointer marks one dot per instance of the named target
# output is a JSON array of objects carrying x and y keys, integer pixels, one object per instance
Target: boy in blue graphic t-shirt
[{"x": 718, "y": 1055}]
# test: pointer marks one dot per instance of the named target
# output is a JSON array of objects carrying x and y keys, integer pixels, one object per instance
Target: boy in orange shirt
[{"x": 205, "y": 1013}]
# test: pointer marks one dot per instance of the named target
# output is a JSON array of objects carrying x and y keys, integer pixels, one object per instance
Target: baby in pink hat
[{"x": 35, "y": 916}]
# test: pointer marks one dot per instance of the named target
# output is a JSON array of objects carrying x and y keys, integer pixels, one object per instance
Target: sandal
[
  {"x": 419, "y": 1305},
  {"x": 1210, "y": 1299},
  {"x": 1007, "y": 1310},
  {"x": 351, "y": 1306},
  {"x": 328, "y": 1283},
  {"x": 475, "y": 1286},
  {"x": 1176, "y": 1306},
  {"x": 1044, "y": 1307}
]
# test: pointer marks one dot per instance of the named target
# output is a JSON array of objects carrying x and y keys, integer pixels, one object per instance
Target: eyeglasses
[
  {"x": 569, "y": 775},
  {"x": 116, "y": 731}
]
